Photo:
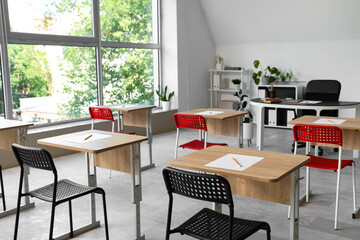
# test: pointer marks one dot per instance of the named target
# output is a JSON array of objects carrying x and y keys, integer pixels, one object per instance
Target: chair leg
[
  {"x": 268, "y": 237},
  {"x": 71, "y": 220},
  {"x": 168, "y": 223},
  {"x": 354, "y": 185},
  {"x": 337, "y": 199},
  {"x": 17, "y": 217},
  {"x": 176, "y": 143},
  {"x": 2, "y": 190},
  {"x": 307, "y": 183},
  {"x": 109, "y": 173},
  {"x": 52, "y": 218},
  {"x": 105, "y": 216}
]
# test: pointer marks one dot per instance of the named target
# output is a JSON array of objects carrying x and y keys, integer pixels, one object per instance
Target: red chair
[
  {"x": 192, "y": 122},
  {"x": 329, "y": 135},
  {"x": 103, "y": 113}
]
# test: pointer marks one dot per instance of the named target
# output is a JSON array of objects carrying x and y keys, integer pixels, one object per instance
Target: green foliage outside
[{"x": 29, "y": 72}]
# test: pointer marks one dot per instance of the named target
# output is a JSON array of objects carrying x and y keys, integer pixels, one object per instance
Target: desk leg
[
  {"x": 240, "y": 132},
  {"x": 294, "y": 206},
  {"x": 136, "y": 188},
  {"x": 216, "y": 207},
  {"x": 260, "y": 127},
  {"x": 357, "y": 115},
  {"x": 22, "y": 134},
  {"x": 149, "y": 135},
  {"x": 120, "y": 123}
]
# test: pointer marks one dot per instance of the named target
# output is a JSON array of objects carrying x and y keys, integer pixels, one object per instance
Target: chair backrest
[
  {"x": 207, "y": 187},
  {"x": 190, "y": 121},
  {"x": 101, "y": 113},
  {"x": 34, "y": 157},
  {"x": 317, "y": 134},
  {"x": 323, "y": 90}
]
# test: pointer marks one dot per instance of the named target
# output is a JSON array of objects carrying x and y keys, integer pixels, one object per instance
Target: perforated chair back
[
  {"x": 323, "y": 90},
  {"x": 101, "y": 113},
  {"x": 34, "y": 157},
  {"x": 190, "y": 121},
  {"x": 317, "y": 134},
  {"x": 211, "y": 188}
]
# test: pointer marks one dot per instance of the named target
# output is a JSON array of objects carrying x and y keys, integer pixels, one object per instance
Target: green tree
[
  {"x": 127, "y": 73},
  {"x": 29, "y": 72}
]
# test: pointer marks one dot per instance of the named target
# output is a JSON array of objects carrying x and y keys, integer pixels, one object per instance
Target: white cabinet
[{"x": 222, "y": 89}]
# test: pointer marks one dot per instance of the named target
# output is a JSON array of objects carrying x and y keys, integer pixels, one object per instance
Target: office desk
[
  {"x": 12, "y": 131},
  {"x": 120, "y": 152},
  {"x": 278, "y": 185},
  {"x": 228, "y": 123},
  {"x": 257, "y": 102},
  {"x": 135, "y": 115}
]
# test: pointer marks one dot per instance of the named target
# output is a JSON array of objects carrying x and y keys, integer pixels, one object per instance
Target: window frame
[{"x": 8, "y": 37}]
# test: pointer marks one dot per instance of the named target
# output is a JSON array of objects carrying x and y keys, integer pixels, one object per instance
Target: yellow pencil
[
  {"x": 88, "y": 137},
  {"x": 236, "y": 162}
]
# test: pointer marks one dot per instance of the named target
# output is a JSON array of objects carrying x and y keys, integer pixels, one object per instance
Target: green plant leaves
[{"x": 256, "y": 63}]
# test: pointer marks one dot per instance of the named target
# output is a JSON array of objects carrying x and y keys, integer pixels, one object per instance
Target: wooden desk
[
  {"x": 12, "y": 131},
  {"x": 287, "y": 104},
  {"x": 119, "y": 152},
  {"x": 135, "y": 115},
  {"x": 228, "y": 123},
  {"x": 350, "y": 129},
  {"x": 261, "y": 181}
]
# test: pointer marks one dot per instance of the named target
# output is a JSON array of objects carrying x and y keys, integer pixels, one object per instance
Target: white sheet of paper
[
  {"x": 209, "y": 112},
  {"x": 310, "y": 102},
  {"x": 226, "y": 162},
  {"x": 329, "y": 121},
  {"x": 94, "y": 137},
  {"x": 125, "y": 105}
]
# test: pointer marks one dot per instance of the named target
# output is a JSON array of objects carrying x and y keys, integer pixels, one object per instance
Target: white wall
[{"x": 195, "y": 55}]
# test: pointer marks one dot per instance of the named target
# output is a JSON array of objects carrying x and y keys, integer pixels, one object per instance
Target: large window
[{"x": 67, "y": 55}]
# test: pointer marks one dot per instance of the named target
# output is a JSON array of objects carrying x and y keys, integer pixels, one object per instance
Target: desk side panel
[
  {"x": 7, "y": 138},
  {"x": 135, "y": 118},
  {"x": 117, "y": 159},
  {"x": 226, "y": 127},
  {"x": 278, "y": 192}
]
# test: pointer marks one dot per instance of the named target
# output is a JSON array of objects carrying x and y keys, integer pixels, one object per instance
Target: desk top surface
[
  {"x": 226, "y": 113},
  {"x": 9, "y": 124},
  {"x": 274, "y": 167},
  {"x": 300, "y": 104},
  {"x": 124, "y": 107},
  {"x": 350, "y": 123},
  {"x": 113, "y": 141}
]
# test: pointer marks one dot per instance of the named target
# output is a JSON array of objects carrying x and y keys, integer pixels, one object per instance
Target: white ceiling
[{"x": 235, "y": 22}]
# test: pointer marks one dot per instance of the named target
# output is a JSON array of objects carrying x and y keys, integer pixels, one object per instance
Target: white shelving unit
[{"x": 222, "y": 89}]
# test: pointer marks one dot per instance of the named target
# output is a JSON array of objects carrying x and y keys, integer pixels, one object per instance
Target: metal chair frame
[
  {"x": 329, "y": 135},
  {"x": 210, "y": 188},
  {"x": 41, "y": 159},
  {"x": 2, "y": 194}
]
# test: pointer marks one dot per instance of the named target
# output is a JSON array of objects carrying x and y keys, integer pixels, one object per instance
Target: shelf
[
  {"x": 224, "y": 90},
  {"x": 226, "y": 71}
]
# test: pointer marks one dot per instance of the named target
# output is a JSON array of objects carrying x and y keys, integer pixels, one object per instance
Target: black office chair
[
  {"x": 320, "y": 90},
  {"x": 207, "y": 224},
  {"x": 58, "y": 192},
  {"x": 2, "y": 195}
]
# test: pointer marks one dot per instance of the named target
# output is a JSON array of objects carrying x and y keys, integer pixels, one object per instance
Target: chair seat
[
  {"x": 198, "y": 145},
  {"x": 327, "y": 163},
  {"x": 66, "y": 189},
  {"x": 130, "y": 133},
  {"x": 208, "y": 224}
]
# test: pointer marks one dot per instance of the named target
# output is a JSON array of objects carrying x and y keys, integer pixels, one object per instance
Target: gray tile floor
[{"x": 316, "y": 217}]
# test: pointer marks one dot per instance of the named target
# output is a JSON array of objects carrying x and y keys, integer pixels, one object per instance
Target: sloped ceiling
[{"x": 235, "y": 22}]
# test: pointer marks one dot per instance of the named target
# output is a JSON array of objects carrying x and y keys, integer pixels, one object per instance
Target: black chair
[
  {"x": 58, "y": 192},
  {"x": 2, "y": 195},
  {"x": 207, "y": 224},
  {"x": 320, "y": 90}
]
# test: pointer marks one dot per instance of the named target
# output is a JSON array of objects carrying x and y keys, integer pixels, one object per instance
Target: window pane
[
  {"x": 127, "y": 21},
  {"x": 59, "y": 17},
  {"x": 128, "y": 75},
  {"x": 1, "y": 94},
  {"x": 52, "y": 83}
]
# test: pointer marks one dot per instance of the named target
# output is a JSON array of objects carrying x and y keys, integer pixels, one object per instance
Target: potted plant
[
  {"x": 271, "y": 74},
  {"x": 165, "y": 99},
  {"x": 219, "y": 62},
  {"x": 236, "y": 82},
  {"x": 248, "y": 125}
]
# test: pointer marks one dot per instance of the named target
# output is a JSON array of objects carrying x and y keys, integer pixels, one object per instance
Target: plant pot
[
  {"x": 248, "y": 130},
  {"x": 219, "y": 66},
  {"x": 166, "y": 105}
]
